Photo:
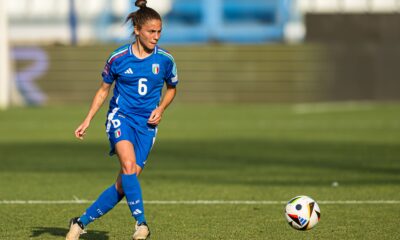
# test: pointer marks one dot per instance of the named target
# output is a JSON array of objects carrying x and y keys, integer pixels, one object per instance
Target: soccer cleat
[
  {"x": 76, "y": 228},
  {"x": 142, "y": 232}
]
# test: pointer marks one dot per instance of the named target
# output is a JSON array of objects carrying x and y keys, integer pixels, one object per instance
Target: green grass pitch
[{"x": 221, "y": 152}]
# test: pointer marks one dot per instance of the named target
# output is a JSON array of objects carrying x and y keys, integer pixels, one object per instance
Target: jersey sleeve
[
  {"x": 171, "y": 76},
  {"x": 108, "y": 73}
]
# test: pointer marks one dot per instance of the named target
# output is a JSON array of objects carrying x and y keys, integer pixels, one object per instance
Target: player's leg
[
  {"x": 131, "y": 187},
  {"x": 129, "y": 180},
  {"x": 141, "y": 231},
  {"x": 117, "y": 130},
  {"x": 78, "y": 224},
  {"x": 122, "y": 140},
  {"x": 104, "y": 203},
  {"x": 143, "y": 143}
]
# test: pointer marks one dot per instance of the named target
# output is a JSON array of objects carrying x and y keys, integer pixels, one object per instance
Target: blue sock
[
  {"x": 106, "y": 201},
  {"x": 133, "y": 194}
]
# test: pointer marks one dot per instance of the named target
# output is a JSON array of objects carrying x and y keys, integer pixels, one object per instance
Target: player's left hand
[{"x": 155, "y": 117}]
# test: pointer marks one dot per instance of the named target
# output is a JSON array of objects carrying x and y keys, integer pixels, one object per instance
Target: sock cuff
[
  {"x": 128, "y": 175},
  {"x": 130, "y": 182},
  {"x": 128, "y": 179}
]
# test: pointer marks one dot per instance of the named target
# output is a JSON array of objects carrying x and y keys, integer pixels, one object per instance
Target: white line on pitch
[{"x": 195, "y": 202}]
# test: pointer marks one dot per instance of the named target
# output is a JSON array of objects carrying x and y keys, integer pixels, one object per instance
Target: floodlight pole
[
  {"x": 4, "y": 58},
  {"x": 73, "y": 22}
]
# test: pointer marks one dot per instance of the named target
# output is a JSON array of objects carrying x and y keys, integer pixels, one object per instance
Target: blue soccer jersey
[
  {"x": 137, "y": 92},
  {"x": 138, "y": 82}
]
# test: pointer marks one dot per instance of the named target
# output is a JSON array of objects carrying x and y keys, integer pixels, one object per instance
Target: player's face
[{"x": 149, "y": 34}]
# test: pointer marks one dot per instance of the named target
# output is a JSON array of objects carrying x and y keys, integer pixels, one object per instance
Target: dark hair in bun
[
  {"x": 141, "y": 3},
  {"x": 142, "y": 15}
]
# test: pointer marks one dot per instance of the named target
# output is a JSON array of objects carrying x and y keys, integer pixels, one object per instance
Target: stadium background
[
  {"x": 250, "y": 52},
  {"x": 266, "y": 85}
]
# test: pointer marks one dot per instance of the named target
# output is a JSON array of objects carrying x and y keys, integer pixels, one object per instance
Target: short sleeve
[
  {"x": 108, "y": 73},
  {"x": 171, "y": 77}
]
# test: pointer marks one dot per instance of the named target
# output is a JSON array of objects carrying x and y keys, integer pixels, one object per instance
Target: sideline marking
[{"x": 195, "y": 202}]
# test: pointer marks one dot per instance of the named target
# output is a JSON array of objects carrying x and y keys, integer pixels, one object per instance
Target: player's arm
[
  {"x": 98, "y": 100},
  {"x": 157, "y": 113}
]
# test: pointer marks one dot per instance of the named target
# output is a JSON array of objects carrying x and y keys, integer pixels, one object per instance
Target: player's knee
[{"x": 129, "y": 167}]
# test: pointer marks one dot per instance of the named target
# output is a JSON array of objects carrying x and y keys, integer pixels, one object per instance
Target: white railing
[
  {"x": 355, "y": 6},
  {"x": 86, "y": 9},
  {"x": 33, "y": 21},
  {"x": 90, "y": 9},
  {"x": 58, "y": 9}
]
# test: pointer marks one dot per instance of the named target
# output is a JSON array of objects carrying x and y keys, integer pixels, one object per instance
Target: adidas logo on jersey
[{"x": 128, "y": 71}]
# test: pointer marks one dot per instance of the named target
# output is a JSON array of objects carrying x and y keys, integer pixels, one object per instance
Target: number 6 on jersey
[{"x": 142, "y": 87}]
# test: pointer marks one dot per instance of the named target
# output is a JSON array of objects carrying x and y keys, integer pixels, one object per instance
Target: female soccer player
[{"x": 139, "y": 71}]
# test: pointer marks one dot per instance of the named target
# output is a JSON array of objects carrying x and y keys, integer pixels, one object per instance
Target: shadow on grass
[
  {"x": 272, "y": 161},
  {"x": 37, "y": 232}
]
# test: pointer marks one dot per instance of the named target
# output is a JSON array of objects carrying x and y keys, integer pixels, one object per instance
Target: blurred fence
[
  {"x": 348, "y": 57},
  {"x": 225, "y": 73},
  {"x": 364, "y": 51},
  {"x": 185, "y": 21},
  {"x": 212, "y": 73}
]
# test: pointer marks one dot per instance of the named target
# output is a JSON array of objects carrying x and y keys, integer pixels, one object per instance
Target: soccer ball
[{"x": 302, "y": 213}]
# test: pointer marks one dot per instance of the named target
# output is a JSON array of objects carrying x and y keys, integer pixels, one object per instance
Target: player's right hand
[{"x": 80, "y": 132}]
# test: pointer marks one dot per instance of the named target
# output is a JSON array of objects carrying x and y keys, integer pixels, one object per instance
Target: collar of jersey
[{"x": 131, "y": 52}]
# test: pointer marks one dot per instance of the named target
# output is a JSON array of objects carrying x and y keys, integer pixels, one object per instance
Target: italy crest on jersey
[
  {"x": 118, "y": 133},
  {"x": 156, "y": 68}
]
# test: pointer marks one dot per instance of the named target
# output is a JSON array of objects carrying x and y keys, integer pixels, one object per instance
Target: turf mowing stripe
[
  {"x": 196, "y": 202},
  {"x": 331, "y": 107}
]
